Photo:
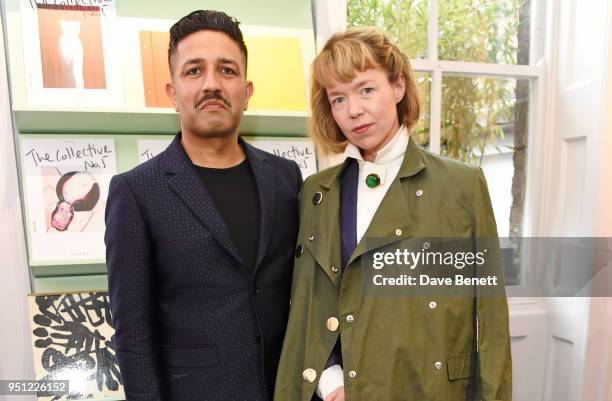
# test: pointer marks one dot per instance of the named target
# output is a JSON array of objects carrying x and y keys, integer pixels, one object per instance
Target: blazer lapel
[
  {"x": 265, "y": 178},
  {"x": 185, "y": 182}
]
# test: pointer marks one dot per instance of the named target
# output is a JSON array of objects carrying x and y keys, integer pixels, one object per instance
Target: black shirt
[{"x": 234, "y": 191}]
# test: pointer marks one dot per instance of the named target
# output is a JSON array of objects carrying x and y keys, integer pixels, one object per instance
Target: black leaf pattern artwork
[{"x": 73, "y": 339}]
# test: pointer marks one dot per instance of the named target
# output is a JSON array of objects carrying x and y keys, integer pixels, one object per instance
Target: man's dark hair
[{"x": 205, "y": 20}]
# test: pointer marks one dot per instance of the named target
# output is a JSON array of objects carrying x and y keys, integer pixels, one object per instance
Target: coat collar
[
  {"x": 411, "y": 165},
  {"x": 185, "y": 182}
]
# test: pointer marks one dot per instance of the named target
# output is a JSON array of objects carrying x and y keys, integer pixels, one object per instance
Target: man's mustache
[{"x": 212, "y": 96}]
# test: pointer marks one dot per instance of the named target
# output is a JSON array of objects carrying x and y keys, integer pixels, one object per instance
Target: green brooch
[{"x": 372, "y": 180}]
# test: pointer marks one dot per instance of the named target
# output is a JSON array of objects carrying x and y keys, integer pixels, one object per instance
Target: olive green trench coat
[{"x": 416, "y": 348}]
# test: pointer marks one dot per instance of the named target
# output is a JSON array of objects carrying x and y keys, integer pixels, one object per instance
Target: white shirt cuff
[{"x": 331, "y": 379}]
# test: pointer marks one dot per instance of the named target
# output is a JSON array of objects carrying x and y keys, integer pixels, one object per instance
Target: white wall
[{"x": 15, "y": 346}]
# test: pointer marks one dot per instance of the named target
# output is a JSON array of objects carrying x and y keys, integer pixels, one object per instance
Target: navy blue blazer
[{"x": 189, "y": 315}]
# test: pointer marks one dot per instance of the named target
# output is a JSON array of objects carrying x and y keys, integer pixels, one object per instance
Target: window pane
[
  {"x": 491, "y": 31},
  {"x": 404, "y": 21},
  {"x": 420, "y": 132},
  {"x": 485, "y": 123}
]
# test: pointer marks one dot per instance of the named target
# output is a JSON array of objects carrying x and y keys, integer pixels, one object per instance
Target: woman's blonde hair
[{"x": 356, "y": 49}]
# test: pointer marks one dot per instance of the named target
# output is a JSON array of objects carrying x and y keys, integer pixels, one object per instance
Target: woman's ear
[{"x": 399, "y": 88}]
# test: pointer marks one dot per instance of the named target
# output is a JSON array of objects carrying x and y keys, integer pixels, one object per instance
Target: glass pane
[
  {"x": 404, "y": 21},
  {"x": 488, "y": 31},
  {"x": 485, "y": 123},
  {"x": 420, "y": 132}
]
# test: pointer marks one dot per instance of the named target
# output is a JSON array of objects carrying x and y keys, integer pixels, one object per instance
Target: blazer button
[
  {"x": 438, "y": 365},
  {"x": 317, "y": 198},
  {"x": 350, "y": 318},
  {"x": 311, "y": 237},
  {"x": 299, "y": 250},
  {"x": 334, "y": 269},
  {"x": 309, "y": 375},
  {"x": 433, "y": 305},
  {"x": 255, "y": 290},
  {"x": 352, "y": 374},
  {"x": 332, "y": 324}
]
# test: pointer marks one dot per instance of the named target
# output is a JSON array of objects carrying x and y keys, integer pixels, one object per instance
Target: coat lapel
[
  {"x": 185, "y": 182},
  {"x": 392, "y": 220},
  {"x": 325, "y": 226},
  {"x": 265, "y": 178}
]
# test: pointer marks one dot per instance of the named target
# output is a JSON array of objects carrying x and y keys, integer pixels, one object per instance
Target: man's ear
[
  {"x": 248, "y": 93},
  {"x": 171, "y": 92},
  {"x": 399, "y": 88}
]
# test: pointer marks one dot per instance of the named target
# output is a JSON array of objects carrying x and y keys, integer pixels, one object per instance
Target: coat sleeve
[
  {"x": 495, "y": 363},
  {"x": 128, "y": 258}
]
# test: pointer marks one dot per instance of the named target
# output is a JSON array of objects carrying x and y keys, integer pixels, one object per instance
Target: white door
[{"x": 578, "y": 75}]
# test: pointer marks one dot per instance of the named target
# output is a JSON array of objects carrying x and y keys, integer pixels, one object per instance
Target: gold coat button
[
  {"x": 398, "y": 232},
  {"x": 433, "y": 305},
  {"x": 309, "y": 375},
  {"x": 332, "y": 324},
  {"x": 419, "y": 192},
  {"x": 438, "y": 365},
  {"x": 352, "y": 374},
  {"x": 311, "y": 237},
  {"x": 350, "y": 318},
  {"x": 334, "y": 269}
]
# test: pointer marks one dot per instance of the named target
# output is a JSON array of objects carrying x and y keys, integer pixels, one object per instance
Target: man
[{"x": 200, "y": 239}]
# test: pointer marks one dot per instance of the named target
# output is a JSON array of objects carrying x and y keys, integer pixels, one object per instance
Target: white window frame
[{"x": 331, "y": 16}]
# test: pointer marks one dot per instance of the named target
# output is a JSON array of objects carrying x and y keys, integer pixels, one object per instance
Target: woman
[{"x": 343, "y": 342}]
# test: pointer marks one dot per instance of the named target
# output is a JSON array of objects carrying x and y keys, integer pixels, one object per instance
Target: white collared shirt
[{"x": 386, "y": 165}]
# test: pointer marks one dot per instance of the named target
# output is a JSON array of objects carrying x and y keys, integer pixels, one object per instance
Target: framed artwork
[
  {"x": 69, "y": 53},
  {"x": 73, "y": 339},
  {"x": 66, "y": 184}
]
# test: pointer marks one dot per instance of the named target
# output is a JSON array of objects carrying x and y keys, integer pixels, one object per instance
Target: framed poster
[
  {"x": 73, "y": 339},
  {"x": 66, "y": 185},
  {"x": 70, "y": 53}
]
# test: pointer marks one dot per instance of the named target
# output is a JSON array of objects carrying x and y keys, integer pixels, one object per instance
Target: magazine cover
[
  {"x": 66, "y": 184},
  {"x": 69, "y": 53},
  {"x": 149, "y": 148}
]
